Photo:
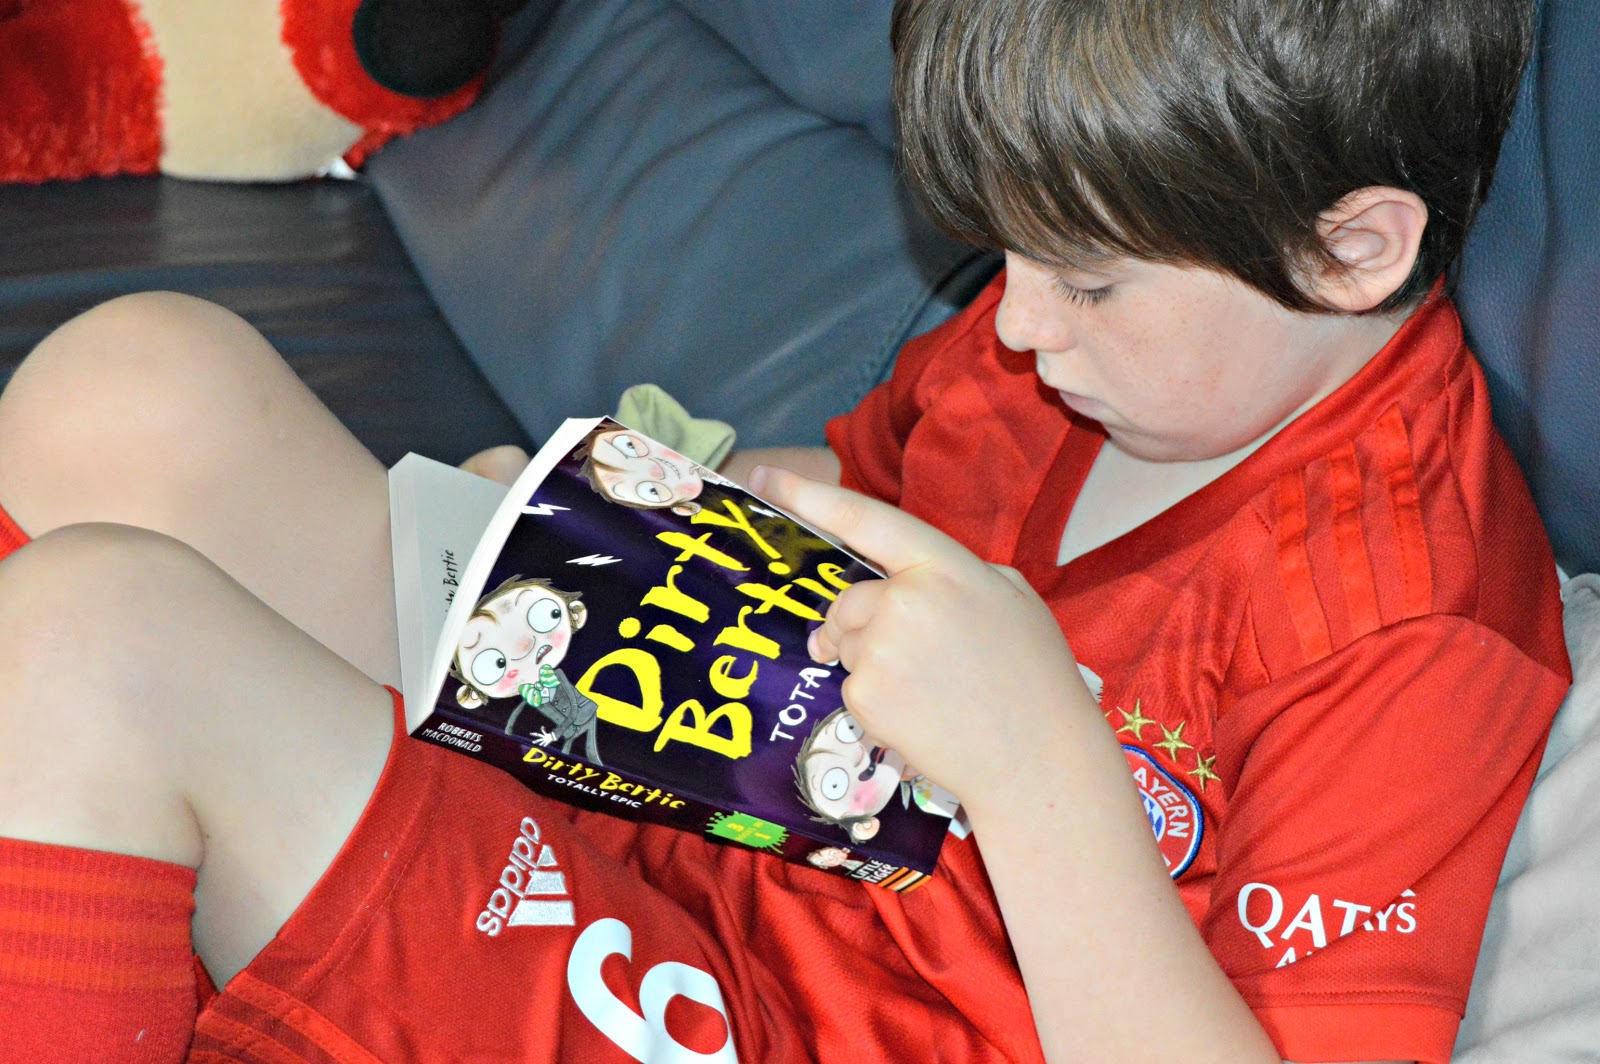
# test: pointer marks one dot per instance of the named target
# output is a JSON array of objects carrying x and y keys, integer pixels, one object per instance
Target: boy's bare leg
[
  {"x": 169, "y": 413},
  {"x": 150, "y": 705}
]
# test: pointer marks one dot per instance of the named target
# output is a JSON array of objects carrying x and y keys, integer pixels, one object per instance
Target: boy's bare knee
[
  {"x": 140, "y": 360},
  {"x": 144, "y": 386},
  {"x": 86, "y": 752},
  {"x": 147, "y": 349},
  {"x": 83, "y": 607}
]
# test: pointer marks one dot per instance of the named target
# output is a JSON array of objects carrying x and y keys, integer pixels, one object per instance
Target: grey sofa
[{"x": 698, "y": 193}]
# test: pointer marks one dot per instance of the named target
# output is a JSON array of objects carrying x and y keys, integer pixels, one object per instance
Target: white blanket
[{"x": 1536, "y": 992}]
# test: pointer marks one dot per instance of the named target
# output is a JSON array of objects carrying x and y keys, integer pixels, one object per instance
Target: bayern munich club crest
[{"x": 1173, "y": 810}]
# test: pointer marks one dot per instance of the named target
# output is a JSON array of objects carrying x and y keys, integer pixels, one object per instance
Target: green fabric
[{"x": 650, "y": 410}]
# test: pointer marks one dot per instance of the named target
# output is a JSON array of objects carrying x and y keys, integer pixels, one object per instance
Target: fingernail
[{"x": 758, "y": 478}]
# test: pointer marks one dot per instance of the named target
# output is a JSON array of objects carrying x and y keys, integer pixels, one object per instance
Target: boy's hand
[
  {"x": 502, "y": 464},
  {"x": 954, "y": 662}
]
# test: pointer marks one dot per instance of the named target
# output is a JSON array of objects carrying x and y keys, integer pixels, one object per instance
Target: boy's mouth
[{"x": 537, "y": 658}]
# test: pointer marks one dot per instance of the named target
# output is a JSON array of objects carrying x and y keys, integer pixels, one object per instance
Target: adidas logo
[{"x": 532, "y": 890}]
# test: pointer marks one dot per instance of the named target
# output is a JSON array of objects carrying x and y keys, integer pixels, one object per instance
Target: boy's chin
[
  {"x": 1151, "y": 449},
  {"x": 1168, "y": 450}
]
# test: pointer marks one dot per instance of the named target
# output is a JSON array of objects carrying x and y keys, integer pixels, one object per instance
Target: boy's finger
[
  {"x": 850, "y": 613},
  {"x": 893, "y": 539}
]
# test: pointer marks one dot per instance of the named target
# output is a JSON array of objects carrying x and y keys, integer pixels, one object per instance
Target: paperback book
[{"x": 626, "y": 631}]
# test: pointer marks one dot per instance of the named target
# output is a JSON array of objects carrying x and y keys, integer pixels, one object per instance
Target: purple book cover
[{"x": 638, "y": 646}]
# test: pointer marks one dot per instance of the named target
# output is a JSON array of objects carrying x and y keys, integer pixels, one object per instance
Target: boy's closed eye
[{"x": 1085, "y": 296}]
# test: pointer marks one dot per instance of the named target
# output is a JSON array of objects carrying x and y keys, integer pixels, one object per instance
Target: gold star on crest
[
  {"x": 1133, "y": 722},
  {"x": 1203, "y": 772},
  {"x": 1172, "y": 740}
]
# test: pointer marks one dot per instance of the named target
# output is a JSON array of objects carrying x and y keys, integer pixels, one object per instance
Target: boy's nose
[{"x": 1031, "y": 315}]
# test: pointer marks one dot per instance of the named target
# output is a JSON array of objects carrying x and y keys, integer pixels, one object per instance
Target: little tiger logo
[{"x": 1174, "y": 812}]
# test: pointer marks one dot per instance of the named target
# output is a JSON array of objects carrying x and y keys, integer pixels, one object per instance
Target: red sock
[
  {"x": 11, "y": 537},
  {"x": 96, "y": 956}
]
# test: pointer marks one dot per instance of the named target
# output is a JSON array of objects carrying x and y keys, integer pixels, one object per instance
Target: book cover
[{"x": 629, "y": 635}]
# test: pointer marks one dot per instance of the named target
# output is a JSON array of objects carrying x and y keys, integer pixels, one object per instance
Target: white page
[{"x": 437, "y": 514}]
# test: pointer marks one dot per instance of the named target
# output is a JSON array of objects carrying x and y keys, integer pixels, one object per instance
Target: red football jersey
[{"x": 1332, "y": 669}]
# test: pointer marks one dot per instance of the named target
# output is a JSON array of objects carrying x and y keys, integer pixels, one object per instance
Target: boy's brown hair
[{"x": 1205, "y": 132}]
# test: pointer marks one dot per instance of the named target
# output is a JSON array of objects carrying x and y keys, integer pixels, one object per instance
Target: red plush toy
[{"x": 238, "y": 90}]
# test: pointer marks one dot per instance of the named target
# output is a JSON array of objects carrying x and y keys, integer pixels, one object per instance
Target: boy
[
  {"x": 1234, "y": 442},
  {"x": 1212, "y": 413}
]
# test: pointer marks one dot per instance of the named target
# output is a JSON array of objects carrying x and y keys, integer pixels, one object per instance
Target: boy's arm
[
  {"x": 1089, "y": 906},
  {"x": 1090, "y": 856}
]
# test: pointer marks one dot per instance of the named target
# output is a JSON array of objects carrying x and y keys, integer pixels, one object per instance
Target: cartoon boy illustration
[
  {"x": 847, "y": 781},
  {"x": 834, "y": 857},
  {"x": 510, "y": 648},
  {"x": 633, "y": 470}
]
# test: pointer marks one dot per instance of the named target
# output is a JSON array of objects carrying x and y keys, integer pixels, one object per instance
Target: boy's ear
[{"x": 1374, "y": 233}]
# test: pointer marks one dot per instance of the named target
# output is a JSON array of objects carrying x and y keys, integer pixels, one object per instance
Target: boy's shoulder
[{"x": 1395, "y": 498}]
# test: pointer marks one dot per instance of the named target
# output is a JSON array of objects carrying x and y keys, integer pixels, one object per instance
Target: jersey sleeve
[
  {"x": 1372, "y": 797},
  {"x": 870, "y": 441},
  {"x": 96, "y": 961}
]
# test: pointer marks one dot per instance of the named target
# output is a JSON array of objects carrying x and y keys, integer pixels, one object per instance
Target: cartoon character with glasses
[
  {"x": 847, "y": 780},
  {"x": 510, "y": 648}
]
